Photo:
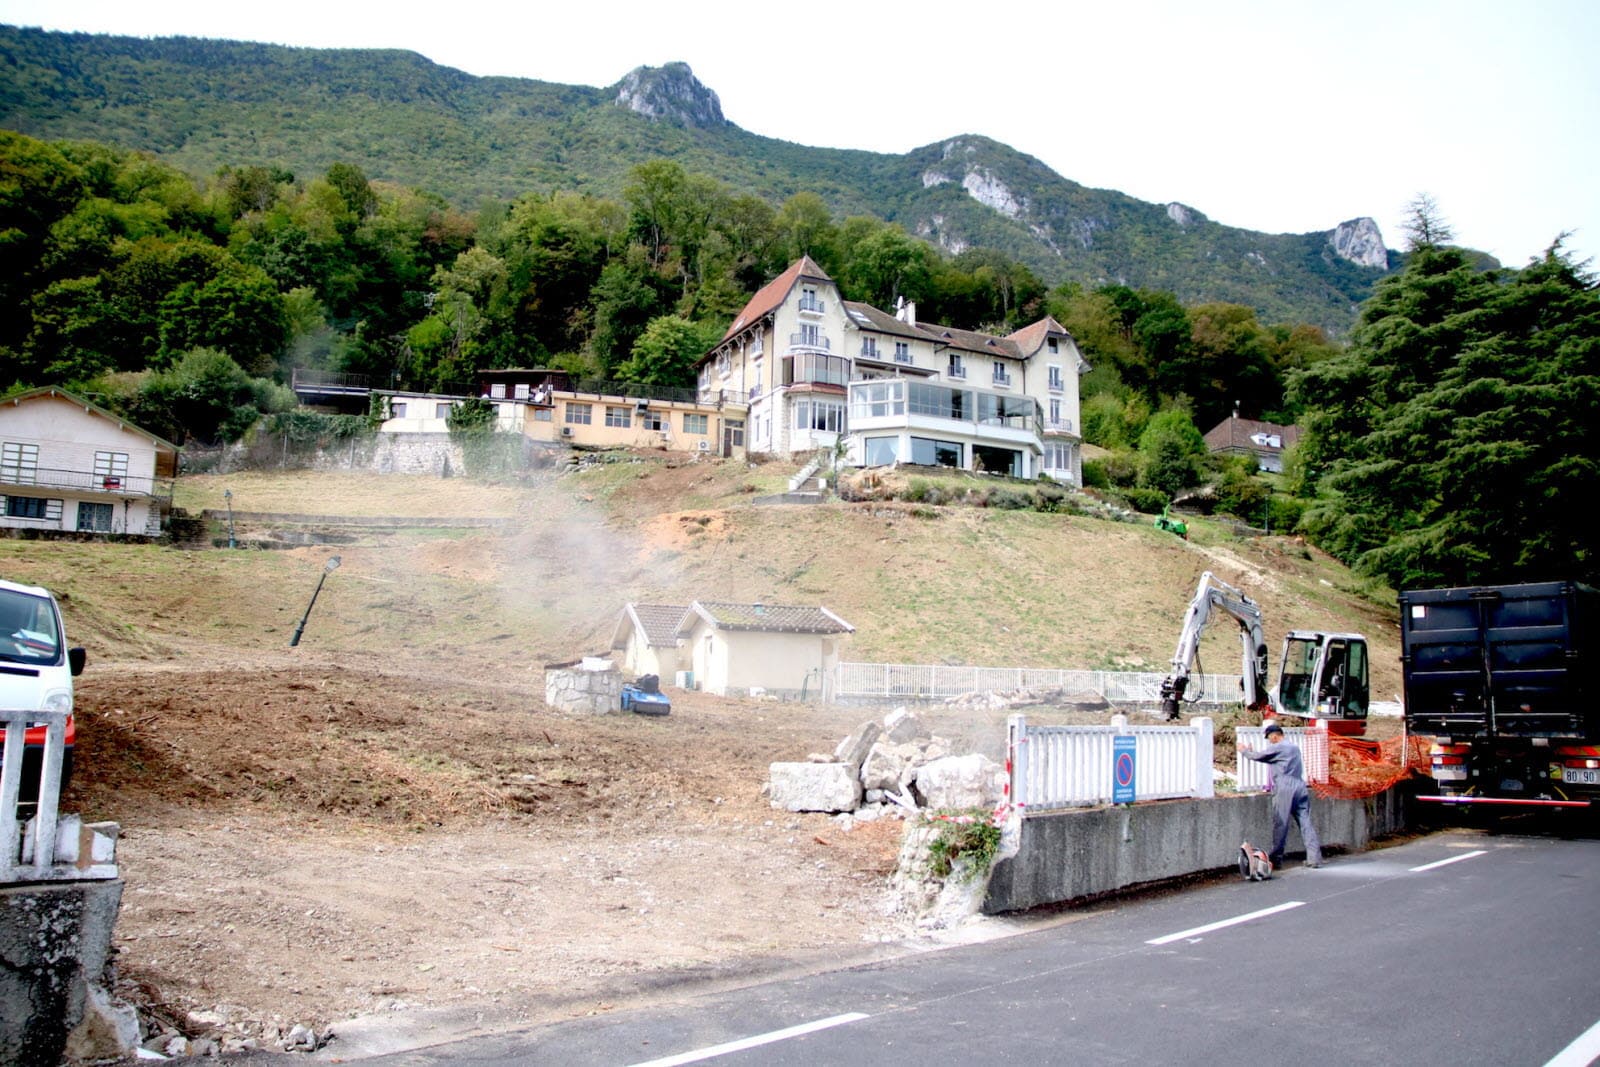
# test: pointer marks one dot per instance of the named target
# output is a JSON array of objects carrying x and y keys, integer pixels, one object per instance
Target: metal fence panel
[
  {"x": 903, "y": 681},
  {"x": 1054, "y": 767},
  {"x": 1314, "y": 751},
  {"x": 14, "y": 865}
]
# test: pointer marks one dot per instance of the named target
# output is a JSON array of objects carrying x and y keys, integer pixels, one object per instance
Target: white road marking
[
  {"x": 1452, "y": 859},
  {"x": 696, "y": 1055},
  {"x": 1206, "y": 929},
  {"x": 1582, "y": 1052}
]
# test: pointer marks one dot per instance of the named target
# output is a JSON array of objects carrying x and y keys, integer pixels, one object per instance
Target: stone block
[
  {"x": 827, "y": 787},
  {"x": 959, "y": 782},
  {"x": 886, "y": 765},
  {"x": 902, "y": 725},
  {"x": 853, "y": 749}
]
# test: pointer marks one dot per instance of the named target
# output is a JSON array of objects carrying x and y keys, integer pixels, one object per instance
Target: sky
[{"x": 1282, "y": 116}]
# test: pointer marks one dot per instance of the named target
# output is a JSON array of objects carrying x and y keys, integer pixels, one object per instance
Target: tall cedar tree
[{"x": 1456, "y": 439}]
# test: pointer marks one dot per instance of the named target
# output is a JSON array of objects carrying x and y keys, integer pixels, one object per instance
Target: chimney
[{"x": 905, "y": 310}]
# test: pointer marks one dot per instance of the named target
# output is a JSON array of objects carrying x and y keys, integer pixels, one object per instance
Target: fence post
[
  {"x": 1017, "y": 762},
  {"x": 1205, "y": 782}
]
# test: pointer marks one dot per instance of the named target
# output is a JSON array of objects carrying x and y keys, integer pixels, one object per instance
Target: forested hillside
[{"x": 203, "y": 105}]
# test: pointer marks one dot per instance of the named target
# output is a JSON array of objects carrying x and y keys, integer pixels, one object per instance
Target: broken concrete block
[
  {"x": 814, "y": 787},
  {"x": 958, "y": 782},
  {"x": 853, "y": 749},
  {"x": 885, "y": 766},
  {"x": 901, "y": 725}
]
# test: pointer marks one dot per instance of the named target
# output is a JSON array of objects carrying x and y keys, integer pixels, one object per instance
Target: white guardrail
[
  {"x": 931, "y": 681},
  {"x": 1053, "y": 767},
  {"x": 1314, "y": 749},
  {"x": 48, "y": 848}
]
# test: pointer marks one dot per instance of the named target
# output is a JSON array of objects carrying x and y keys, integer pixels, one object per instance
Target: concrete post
[
  {"x": 1017, "y": 761},
  {"x": 1204, "y": 782}
]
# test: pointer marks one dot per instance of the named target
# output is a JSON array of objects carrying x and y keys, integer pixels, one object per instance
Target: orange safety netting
[{"x": 1361, "y": 768}]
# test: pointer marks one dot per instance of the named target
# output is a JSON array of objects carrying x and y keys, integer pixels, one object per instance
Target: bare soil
[{"x": 388, "y": 819}]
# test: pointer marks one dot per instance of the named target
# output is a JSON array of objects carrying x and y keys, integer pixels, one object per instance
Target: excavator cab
[{"x": 1323, "y": 675}]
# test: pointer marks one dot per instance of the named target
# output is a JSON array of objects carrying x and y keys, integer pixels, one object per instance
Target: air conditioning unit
[
  {"x": 704, "y": 446},
  {"x": 641, "y": 406},
  {"x": 566, "y": 431}
]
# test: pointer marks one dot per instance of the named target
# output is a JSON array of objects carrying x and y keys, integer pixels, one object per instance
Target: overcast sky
[{"x": 1281, "y": 116}]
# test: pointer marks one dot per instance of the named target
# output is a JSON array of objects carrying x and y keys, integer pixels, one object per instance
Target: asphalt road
[{"x": 1458, "y": 948}]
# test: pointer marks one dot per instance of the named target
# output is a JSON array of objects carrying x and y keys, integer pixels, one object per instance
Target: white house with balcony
[
  {"x": 821, "y": 371},
  {"x": 66, "y": 464}
]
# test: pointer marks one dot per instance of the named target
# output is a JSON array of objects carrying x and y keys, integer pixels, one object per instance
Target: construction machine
[{"x": 1321, "y": 675}]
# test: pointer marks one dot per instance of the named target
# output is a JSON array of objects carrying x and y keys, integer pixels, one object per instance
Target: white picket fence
[
  {"x": 1314, "y": 748},
  {"x": 53, "y": 848},
  {"x": 933, "y": 681},
  {"x": 1053, "y": 767}
]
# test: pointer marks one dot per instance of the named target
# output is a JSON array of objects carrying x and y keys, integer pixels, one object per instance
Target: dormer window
[{"x": 1053, "y": 345}]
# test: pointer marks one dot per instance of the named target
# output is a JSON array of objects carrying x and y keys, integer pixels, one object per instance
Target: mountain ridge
[{"x": 202, "y": 104}]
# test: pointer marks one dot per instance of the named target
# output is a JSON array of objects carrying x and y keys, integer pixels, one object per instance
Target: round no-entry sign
[{"x": 1123, "y": 768}]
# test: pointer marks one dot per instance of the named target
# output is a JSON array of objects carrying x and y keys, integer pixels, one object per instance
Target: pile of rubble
[
  {"x": 224, "y": 1031},
  {"x": 892, "y": 767}
]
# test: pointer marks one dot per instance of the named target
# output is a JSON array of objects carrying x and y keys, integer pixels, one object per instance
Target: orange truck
[
  {"x": 36, "y": 671},
  {"x": 1502, "y": 678}
]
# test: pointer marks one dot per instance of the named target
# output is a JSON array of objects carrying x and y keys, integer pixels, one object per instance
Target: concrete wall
[
  {"x": 1066, "y": 855},
  {"x": 54, "y": 943}
]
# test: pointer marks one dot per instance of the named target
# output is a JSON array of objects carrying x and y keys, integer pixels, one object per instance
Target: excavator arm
[{"x": 1213, "y": 594}]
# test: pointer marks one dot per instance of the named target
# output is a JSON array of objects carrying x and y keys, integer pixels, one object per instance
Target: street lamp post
[
  {"x": 227, "y": 494},
  {"x": 300, "y": 628}
]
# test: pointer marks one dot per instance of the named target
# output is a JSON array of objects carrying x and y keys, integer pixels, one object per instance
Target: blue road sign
[{"x": 1123, "y": 765}]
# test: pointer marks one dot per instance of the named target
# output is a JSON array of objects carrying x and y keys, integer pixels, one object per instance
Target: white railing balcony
[
  {"x": 80, "y": 481},
  {"x": 902, "y": 357},
  {"x": 813, "y": 342},
  {"x": 813, "y": 305},
  {"x": 869, "y": 351},
  {"x": 1059, "y": 425},
  {"x": 1002, "y": 379},
  {"x": 958, "y": 373}
]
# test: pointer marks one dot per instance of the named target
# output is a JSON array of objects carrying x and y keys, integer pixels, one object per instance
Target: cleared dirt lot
[{"x": 388, "y": 819}]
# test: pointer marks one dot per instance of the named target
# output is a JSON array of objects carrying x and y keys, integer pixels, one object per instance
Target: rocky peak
[
  {"x": 671, "y": 93},
  {"x": 1361, "y": 242}
]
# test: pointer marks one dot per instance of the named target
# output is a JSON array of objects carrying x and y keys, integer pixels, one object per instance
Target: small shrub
[
  {"x": 1095, "y": 475},
  {"x": 1008, "y": 499},
  {"x": 918, "y": 490},
  {"x": 1050, "y": 499},
  {"x": 1149, "y": 501},
  {"x": 970, "y": 835}
]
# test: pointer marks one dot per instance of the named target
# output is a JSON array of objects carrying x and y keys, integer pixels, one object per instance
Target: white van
[{"x": 36, "y": 669}]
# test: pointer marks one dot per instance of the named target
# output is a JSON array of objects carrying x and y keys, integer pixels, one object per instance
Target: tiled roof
[
  {"x": 881, "y": 321},
  {"x": 983, "y": 344},
  {"x": 774, "y": 618},
  {"x": 769, "y": 296},
  {"x": 1031, "y": 338},
  {"x": 659, "y": 622},
  {"x": 1236, "y": 433}
]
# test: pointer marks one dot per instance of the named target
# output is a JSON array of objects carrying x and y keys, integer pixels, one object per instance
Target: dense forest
[
  {"x": 1450, "y": 440},
  {"x": 203, "y": 105}
]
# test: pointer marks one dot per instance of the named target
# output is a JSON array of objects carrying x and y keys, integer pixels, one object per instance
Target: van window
[{"x": 28, "y": 631}]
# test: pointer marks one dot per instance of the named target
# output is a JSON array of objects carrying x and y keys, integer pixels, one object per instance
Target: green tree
[
  {"x": 666, "y": 352},
  {"x": 1455, "y": 442},
  {"x": 1172, "y": 452}
]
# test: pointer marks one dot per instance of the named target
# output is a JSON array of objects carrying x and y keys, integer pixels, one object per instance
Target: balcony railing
[
  {"x": 869, "y": 350},
  {"x": 812, "y": 304},
  {"x": 1002, "y": 379},
  {"x": 957, "y": 372},
  {"x": 902, "y": 356},
  {"x": 122, "y": 486},
  {"x": 808, "y": 340}
]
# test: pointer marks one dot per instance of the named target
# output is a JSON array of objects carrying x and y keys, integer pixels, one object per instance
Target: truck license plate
[
  {"x": 1580, "y": 775},
  {"x": 1450, "y": 774}
]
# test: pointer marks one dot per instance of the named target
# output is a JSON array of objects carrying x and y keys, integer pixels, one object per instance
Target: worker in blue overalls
[{"x": 1291, "y": 801}]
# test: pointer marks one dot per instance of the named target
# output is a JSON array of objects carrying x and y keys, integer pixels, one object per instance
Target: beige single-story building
[
  {"x": 647, "y": 638},
  {"x": 740, "y": 649}
]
